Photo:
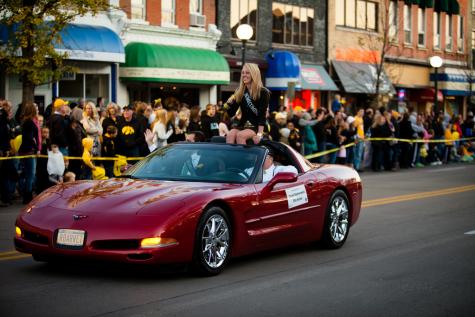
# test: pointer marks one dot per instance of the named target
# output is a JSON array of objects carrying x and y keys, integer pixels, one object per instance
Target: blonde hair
[
  {"x": 256, "y": 83},
  {"x": 95, "y": 114},
  {"x": 160, "y": 116}
]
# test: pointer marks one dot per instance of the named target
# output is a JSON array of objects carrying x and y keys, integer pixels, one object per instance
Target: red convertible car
[{"x": 193, "y": 202}]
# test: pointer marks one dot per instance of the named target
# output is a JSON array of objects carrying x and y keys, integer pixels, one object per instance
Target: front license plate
[{"x": 72, "y": 238}]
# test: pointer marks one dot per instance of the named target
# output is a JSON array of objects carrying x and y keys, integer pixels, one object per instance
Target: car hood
[{"x": 124, "y": 195}]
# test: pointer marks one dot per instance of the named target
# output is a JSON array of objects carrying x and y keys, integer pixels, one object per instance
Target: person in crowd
[
  {"x": 69, "y": 177},
  {"x": 112, "y": 113},
  {"x": 55, "y": 165},
  {"x": 58, "y": 125},
  {"x": 278, "y": 121},
  {"x": 128, "y": 130},
  {"x": 140, "y": 108},
  {"x": 149, "y": 114},
  {"x": 100, "y": 103},
  {"x": 77, "y": 111},
  {"x": 223, "y": 124},
  {"x": 42, "y": 178},
  {"x": 183, "y": 122},
  {"x": 195, "y": 119},
  {"x": 331, "y": 137},
  {"x": 29, "y": 146},
  {"x": 159, "y": 129},
  {"x": 252, "y": 98},
  {"x": 309, "y": 139},
  {"x": 381, "y": 153},
  {"x": 172, "y": 107},
  {"x": 210, "y": 122},
  {"x": 92, "y": 126},
  {"x": 301, "y": 121},
  {"x": 6, "y": 166},
  {"x": 109, "y": 150},
  {"x": 336, "y": 103},
  {"x": 468, "y": 125},
  {"x": 88, "y": 166},
  {"x": 439, "y": 133},
  {"x": 270, "y": 169},
  {"x": 359, "y": 139},
  {"x": 295, "y": 139},
  {"x": 347, "y": 133},
  {"x": 405, "y": 132}
]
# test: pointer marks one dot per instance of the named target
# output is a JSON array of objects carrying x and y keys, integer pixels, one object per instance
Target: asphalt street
[{"x": 409, "y": 255}]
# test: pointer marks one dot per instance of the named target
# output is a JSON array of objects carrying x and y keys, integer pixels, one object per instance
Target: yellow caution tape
[{"x": 318, "y": 154}]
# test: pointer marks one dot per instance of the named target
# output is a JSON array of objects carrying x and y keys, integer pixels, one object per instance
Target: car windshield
[{"x": 200, "y": 163}]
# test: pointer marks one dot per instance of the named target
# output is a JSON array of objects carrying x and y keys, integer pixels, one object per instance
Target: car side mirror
[{"x": 282, "y": 177}]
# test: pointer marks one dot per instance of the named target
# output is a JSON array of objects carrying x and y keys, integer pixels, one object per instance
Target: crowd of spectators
[{"x": 87, "y": 130}]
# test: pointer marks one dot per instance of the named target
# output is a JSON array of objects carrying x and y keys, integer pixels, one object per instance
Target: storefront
[
  {"x": 455, "y": 84},
  {"x": 412, "y": 87},
  {"x": 315, "y": 85},
  {"x": 359, "y": 80},
  {"x": 154, "y": 71},
  {"x": 94, "y": 52}
]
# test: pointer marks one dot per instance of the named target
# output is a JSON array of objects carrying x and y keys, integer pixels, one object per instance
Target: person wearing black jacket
[
  {"x": 58, "y": 125},
  {"x": 405, "y": 132},
  {"x": 320, "y": 132},
  {"x": 129, "y": 134},
  {"x": 210, "y": 122},
  {"x": 252, "y": 98},
  {"x": 381, "y": 153},
  {"x": 29, "y": 146}
]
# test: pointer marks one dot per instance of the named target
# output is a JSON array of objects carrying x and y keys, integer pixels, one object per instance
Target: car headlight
[
  {"x": 157, "y": 242},
  {"x": 17, "y": 231}
]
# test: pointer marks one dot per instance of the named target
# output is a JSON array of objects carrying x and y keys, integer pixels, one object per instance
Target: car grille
[
  {"x": 35, "y": 237},
  {"x": 116, "y": 244}
]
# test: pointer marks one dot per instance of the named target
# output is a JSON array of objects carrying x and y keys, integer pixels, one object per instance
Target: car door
[{"x": 284, "y": 214}]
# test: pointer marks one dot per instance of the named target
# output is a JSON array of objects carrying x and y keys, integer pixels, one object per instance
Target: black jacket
[
  {"x": 255, "y": 114},
  {"x": 57, "y": 130},
  {"x": 209, "y": 126}
]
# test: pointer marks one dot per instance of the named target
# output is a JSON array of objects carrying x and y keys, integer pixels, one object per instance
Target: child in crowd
[
  {"x": 69, "y": 177},
  {"x": 55, "y": 165},
  {"x": 109, "y": 149}
]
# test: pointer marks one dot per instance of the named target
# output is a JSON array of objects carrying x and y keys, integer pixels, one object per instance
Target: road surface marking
[
  {"x": 470, "y": 232},
  {"x": 416, "y": 196},
  {"x": 12, "y": 255},
  {"x": 449, "y": 169}
]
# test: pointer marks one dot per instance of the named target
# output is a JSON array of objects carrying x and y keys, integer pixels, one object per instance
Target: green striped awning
[
  {"x": 173, "y": 64},
  {"x": 426, "y": 3}
]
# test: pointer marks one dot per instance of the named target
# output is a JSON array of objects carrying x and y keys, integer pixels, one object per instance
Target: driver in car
[{"x": 270, "y": 169}]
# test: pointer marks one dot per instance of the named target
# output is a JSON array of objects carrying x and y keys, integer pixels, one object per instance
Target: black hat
[
  {"x": 128, "y": 107},
  {"x": 270, "y": 151}
]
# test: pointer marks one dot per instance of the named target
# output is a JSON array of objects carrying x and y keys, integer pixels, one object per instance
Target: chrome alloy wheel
[
  {"x": 215, "y": 241},
  {"x": 338, "y": 219}
]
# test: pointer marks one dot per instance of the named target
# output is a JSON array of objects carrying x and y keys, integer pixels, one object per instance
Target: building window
[
  {"x": 358, "y": 14},
  {"x": 460, "y": 46},
  {"x": 437, "y": 30},
  {"x": 196, "y": 6},
  {"x": 137, "y": 9},
  {"x": 168, "y": 12},
  {"x": 448, "y": 32},
  {"x": 243, "y": 12},
  {"x": 292, "y": 24},
  {"x": 407, "y": 24},
  {"x": 392, "y": 20},
  {"x": 421, "y": 27}
]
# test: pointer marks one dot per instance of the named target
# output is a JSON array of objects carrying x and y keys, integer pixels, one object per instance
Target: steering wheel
[{"x": 238, "y": 171}]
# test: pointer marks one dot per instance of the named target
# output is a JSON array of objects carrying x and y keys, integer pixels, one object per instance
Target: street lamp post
[
  {"x": 436, "y": 62},
  {"x": 244, "y": 32}
]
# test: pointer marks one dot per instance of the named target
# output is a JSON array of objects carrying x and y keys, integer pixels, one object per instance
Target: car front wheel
[
  {"x": 337, "y": 221},
  {"x": 213, "y": 242}
]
